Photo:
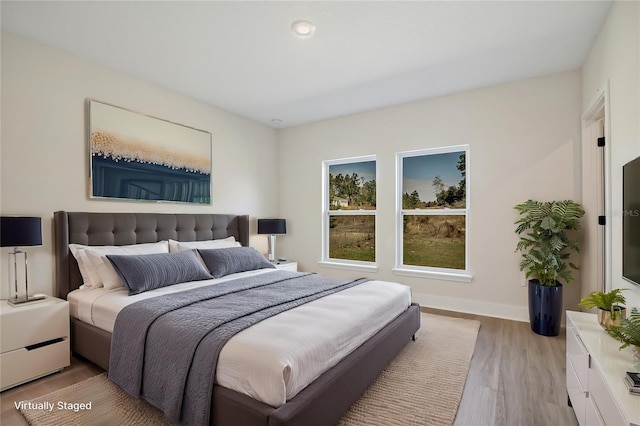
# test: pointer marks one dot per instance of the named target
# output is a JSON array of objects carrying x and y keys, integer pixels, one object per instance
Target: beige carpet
[{"x": 422, "y": 386}]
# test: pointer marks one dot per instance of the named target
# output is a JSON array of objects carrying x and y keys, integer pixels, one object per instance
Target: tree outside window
[
  {"x": 433, "y": 213},
  {"x": 350, "y": 207}
]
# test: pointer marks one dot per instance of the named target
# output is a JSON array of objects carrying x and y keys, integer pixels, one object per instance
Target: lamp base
[
  {"x": 26, "y": 299},
  {"x": 272, "y": 248}
]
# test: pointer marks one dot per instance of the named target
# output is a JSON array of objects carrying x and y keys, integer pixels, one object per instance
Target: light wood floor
[{"x": 516, "y": 378}]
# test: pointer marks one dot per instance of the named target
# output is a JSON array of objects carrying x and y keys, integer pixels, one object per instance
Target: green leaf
[{"x": 629, "y": 330}]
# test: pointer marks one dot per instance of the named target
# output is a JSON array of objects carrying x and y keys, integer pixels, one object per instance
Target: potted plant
[
  {"x": 609, "y": 312},
  {"x": 546, "y": 245},
  {"x": 628, "y": 332}
]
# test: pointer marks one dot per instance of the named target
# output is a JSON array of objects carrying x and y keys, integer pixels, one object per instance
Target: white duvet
[{"x": 275, "y": 359}]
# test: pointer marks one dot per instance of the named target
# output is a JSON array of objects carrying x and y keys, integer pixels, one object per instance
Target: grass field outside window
[
  {"x": 349, "y": 200},
  {"x": 432, "y": 228}
]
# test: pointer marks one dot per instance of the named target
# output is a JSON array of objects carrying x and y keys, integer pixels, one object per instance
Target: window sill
[
  {"x": 447, "y": 276},
  {"x": 345, "y": 265}
]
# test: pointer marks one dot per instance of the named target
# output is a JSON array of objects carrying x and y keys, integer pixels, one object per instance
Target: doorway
[{"x": 595, "y": 263}]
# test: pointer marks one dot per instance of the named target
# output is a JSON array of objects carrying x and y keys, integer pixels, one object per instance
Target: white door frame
[{"x": 597, "y": 110}]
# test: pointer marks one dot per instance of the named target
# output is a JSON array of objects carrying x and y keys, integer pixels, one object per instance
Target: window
[
  {"x": 349, "y": 212},
  {"x": 433, "y": 213}
]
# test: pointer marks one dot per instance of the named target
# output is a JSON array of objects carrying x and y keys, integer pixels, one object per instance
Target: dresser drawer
[
  {"x": 578, "y": 357},
  {"x": 577, "y": 394},
  {"x": 592, "y": 416},
  {"x": 603, "y": 400}
]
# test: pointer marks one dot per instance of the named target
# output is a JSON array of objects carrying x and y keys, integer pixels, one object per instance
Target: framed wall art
[{"x": 138, "y": 157}]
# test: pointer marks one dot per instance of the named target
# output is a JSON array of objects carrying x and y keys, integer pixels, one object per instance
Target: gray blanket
[{"x": 166, "y": 349}]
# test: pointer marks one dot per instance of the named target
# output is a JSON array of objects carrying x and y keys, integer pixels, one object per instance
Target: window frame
[
  {"x": 430, "y": 271},
  {"x": 327, "y": 261}
]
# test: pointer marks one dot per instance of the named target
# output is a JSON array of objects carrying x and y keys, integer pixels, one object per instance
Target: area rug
[{"x": 422, "y": 386}]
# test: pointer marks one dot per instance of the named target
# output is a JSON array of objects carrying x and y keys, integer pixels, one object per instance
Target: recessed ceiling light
[
  {"x": 276, "y": 121},
  {"x": 303, "y": 28}
]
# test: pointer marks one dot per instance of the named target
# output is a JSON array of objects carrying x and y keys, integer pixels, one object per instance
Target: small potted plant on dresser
[
  {"x": 628, "y": 332},
  {"x": 546, "y": 246},
  {"x": 609, "y": 312}
]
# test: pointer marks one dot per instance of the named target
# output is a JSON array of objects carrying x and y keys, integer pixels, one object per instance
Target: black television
[{"x": 631, "y": 221}]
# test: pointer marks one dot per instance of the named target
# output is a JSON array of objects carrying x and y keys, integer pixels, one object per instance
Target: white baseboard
[{"x": 496, "y": 310}]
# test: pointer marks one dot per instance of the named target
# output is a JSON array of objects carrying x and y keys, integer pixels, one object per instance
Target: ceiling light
[
  {"x": 303, "y": 28},
  {"x": 276, "y": 121}
]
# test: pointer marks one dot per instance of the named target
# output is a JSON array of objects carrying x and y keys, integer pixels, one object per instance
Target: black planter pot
[{"x": 545, "y": 308}]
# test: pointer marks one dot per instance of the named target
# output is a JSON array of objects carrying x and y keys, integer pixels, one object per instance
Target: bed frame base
[
  {"x": 325, "y": 400},
  {"x": 91, "y": 343},
  {"x": 321, "y": 403}
]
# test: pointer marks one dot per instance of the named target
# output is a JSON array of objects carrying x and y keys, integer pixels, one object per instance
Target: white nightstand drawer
[
  {"x": 33, "y": 323},
  {"x": 22, "y": 365},
  {"x": 287, "y": 265},
  {"x": 34, "y": 339}
]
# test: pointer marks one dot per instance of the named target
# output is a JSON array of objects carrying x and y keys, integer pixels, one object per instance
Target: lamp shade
[
  {"x": 272, "y": 226},
  {"x": 16, "y": 231}
]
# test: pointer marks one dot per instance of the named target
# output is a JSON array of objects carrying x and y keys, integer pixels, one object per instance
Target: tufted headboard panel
[{"x": 117, "y": 229}]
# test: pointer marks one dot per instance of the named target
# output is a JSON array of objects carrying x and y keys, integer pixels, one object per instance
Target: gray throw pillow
[
  {"x": 227, "y": 261},
  {"x": 145, "y": 272}
]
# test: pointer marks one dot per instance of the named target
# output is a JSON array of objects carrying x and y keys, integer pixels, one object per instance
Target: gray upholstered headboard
[{"x": 117, "y": 229}]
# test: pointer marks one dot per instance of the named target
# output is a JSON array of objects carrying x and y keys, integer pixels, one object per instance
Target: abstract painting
[{"x": 138, "y": 157}]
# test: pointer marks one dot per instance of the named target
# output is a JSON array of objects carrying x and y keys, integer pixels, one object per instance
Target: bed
[{"x": 320, "y": 403}]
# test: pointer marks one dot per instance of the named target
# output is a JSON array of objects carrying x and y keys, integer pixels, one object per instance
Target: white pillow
[
  {"x": 175, "y": 246},
  {"x": 109, "y": 278},
  {"x": 93, "y": 260},
  {"x": 90, "y": 278}
]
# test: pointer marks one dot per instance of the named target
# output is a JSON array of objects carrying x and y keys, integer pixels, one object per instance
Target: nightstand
[
  {"x": 287, "y": 265},
  {"x": 34, "y": 340}
]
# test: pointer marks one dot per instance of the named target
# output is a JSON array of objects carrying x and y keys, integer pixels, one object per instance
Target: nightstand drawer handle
[{"x": 43, "y": 344}]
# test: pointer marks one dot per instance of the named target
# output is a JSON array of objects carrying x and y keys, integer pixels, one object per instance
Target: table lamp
[
  {"x": 20, "y": 231},
  {"x": 272, "y": 227}
]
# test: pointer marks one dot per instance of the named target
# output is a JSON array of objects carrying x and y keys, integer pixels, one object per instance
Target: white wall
[
  {"x": 45, "y": 157},
  {"x": 615, "y": 58},
  {"x": 524, "y": 143},
  {"x": 524, "y": 140}
]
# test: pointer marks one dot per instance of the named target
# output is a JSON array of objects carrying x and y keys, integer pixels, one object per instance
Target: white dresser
[
  {"x": 34, "y": 340},
  {"x": 595, "y": 374}
]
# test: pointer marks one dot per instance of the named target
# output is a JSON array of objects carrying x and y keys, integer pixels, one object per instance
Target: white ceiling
[{"x": 242, "y": 57}]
